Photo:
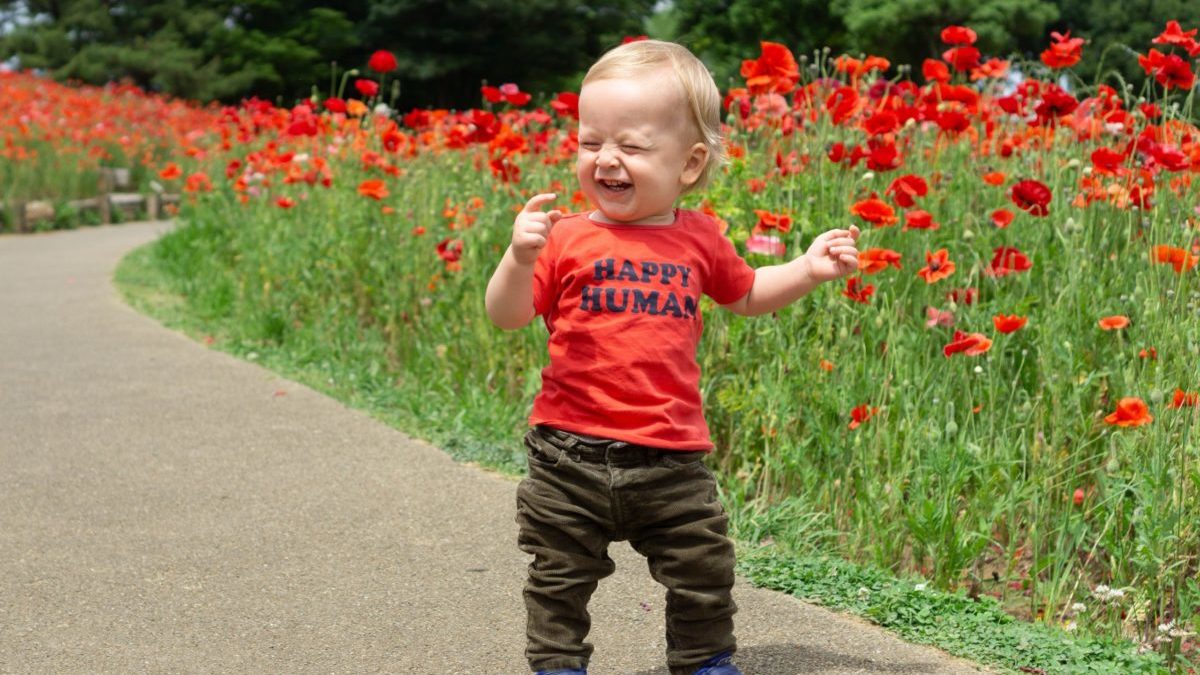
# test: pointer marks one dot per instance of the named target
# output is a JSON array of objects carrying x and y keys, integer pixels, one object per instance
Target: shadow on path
[{"x": 791, "y": 659}]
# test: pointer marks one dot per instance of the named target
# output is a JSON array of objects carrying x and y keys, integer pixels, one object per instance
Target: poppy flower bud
[
  {"x": 1078, "y": 498},
  {"x": 951, "y": 429}
]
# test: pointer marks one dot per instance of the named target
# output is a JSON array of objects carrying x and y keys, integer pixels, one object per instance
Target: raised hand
[
  {"x": 532, "y": 228},
  {"x": 833, "y": 255}
]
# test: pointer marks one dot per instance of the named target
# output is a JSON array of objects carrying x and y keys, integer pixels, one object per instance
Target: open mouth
[{"x": 615, "y": 185}]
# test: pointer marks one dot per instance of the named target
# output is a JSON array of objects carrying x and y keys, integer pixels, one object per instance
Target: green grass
[{"x": 341, "y": 366}]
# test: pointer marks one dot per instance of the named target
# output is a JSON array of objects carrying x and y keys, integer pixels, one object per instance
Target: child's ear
[{"x": 697, "y": 159}]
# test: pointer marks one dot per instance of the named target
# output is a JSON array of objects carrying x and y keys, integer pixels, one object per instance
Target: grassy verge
[{"x": 345, "y": 367}]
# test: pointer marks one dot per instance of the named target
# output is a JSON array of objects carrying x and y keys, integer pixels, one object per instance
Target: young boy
[{"x": 618, "y": 432}]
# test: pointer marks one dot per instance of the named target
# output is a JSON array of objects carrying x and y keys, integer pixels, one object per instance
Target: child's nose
[{"x": 606, "y": 157}]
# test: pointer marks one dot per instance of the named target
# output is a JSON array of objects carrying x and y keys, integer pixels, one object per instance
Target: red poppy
[
  {"x": 1107, "y": 161},
  {"x": 285, "y": 203},
  {"x": 566, "y": 104},
  {"x": 1178, "y": 258},
  {"x": 775, "y": 70},
  {"x": 917, "y": 219},
  {"x": 198, "y": 182},
  {"x": 1174, "y": 35},
  {"x": 1055, "y": 103},
  {"x": 971, "y": 344},
  {"x": 1007, "y": 260},
  {"x": 906, "y": 188},
  {"x": 883, "y": 156},
  {"x": 995, "y": 178},
  {"x": 1130, "y": 412},
  {"x": 963, "y": 296},
  {"x": 875, "y": 260},
  {"x": 935, "y": 71},
  {"x": 938, "y": 266},
  {"x": 1077, "y": 498},
  {"x": 992, "y": 68},
  {"x": 373, "y": 188},
  {"x": 1115, "y": 322},
  {"x": 958, "y": 35},
  {"x": 1185, "y": 399},
  {"x": 861, "y": 414},
  {"x": 1150, "y": 353},
  {"x": 772, "y": 221},
  {"x": 1002, "y": 218},
  {"x": 1150, "y": 110},
  {"x": 857, "y": 294},
  {"x": 170, "y": 172},
  {"x": 507, "y": 92},
  {"x": 1064, "y": 52},
  {"x": 335, "y": 105},
  {"x": 826, "y": 365},
  {"x": 367, "y": 88},
  {"x": 1171, "y": 71},
  {"x": 1032, "y": 196},
  {"x": 880, "y": 123},
  {"x": 1009, "y": 324},
  {"x": 382, "y": 61},
  {"x": 875, "y": 211},
  {"x": 450, "y": 250},
  {"x": 963, "y": 58}
]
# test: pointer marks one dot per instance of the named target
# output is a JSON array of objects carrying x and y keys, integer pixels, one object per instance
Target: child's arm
[
  {"x": 509, "y": 297},
  {"x": 832, "y": 255}
]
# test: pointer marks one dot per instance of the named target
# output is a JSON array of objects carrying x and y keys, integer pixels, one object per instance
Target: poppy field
[{"x": 1004, "y": 400}]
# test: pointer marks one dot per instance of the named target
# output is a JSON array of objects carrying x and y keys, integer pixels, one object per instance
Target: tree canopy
[{"x": 281, "y": 49}]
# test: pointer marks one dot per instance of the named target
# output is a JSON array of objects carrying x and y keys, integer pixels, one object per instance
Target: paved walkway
[{"x": 165, "y": 507}]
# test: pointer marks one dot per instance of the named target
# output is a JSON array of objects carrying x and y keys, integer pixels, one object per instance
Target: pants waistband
[{"x": 602, "y": 450}]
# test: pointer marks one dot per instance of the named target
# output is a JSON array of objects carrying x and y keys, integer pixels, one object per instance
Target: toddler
[{"x": 617, "y": 432}]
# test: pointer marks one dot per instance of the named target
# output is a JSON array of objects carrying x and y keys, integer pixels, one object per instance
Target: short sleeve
[
  {"x": 545, "y": 277},
  {"x": 730, "y": 277}
]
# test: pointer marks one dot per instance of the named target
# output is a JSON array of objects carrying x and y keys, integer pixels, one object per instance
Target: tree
[
  {"x": 446, "y": 50},
  {"x": 1117, "y": 31},
  {"x": 725, "y": 32},
  {"x": 909, "y": 32},
  {"x": 198, "y": 49}
]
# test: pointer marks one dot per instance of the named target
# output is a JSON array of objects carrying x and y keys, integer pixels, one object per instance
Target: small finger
[{"x": 536, "y": 202}]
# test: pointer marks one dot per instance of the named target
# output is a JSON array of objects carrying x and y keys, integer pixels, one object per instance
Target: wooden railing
[{"x": 114, "y": 199}]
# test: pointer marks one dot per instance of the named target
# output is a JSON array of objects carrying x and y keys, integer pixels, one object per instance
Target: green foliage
[
  {"x": 204, "y": 50},
  {"x": 974, "y": 628},
  {"x": 726, "y": 32},
  {"x": 909, "y": 32},
  {"x": 1116, "y": 30},
  {"x": 446, "y": 50}
]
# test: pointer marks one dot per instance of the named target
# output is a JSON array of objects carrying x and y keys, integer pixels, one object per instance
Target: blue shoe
[
  {"x": 721, "y": 664},
  {"x": 566, "y": 671}
]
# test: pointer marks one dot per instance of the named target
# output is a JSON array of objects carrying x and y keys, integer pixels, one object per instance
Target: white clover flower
[
  {"x": 863, "y": 592},
  {"x": 1078, "y": 607},
  {"x": 920, "y": 587}
]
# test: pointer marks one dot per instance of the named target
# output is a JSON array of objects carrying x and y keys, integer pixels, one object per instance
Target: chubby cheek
[{"x": 584, "y": 173}]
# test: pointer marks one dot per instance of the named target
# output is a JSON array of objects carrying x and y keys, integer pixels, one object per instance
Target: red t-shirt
[{"x": 622, "y": 304}]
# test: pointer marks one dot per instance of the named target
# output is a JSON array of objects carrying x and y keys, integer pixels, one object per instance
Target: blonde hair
[{"x": 699, "y": 90}]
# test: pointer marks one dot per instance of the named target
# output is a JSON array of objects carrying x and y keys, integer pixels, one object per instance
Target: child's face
[{"x": 638, "y": 148}]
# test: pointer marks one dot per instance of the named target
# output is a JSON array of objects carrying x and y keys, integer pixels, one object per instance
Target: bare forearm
[
  {"x": 509, "y": 297},
  {"x": 777, "y": 286}
]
